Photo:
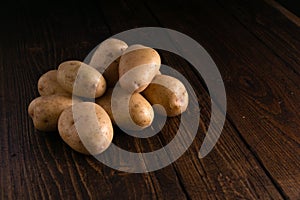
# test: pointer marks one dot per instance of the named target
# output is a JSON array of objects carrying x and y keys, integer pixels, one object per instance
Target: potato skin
[
  {"x": 48, "y": 85},
  {"x": 111, "y": 73},
  {"x": 105, "y": 102},
  {"x": 107, "y": 55},
  {"x": 138, "y": 66},
  {"x": 81, "y": 79},
  {"x": 168, "y": 92},
  {"x": 91, "y": 122},
  {"x": 45, "y": 110},
  {"x": 140, "y": 110}
]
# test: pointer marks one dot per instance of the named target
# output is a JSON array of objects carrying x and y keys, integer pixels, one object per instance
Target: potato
[
  {"x": 140, "y": 111},
  {"x": 105, "y": 102},
  {"x": 168, "y": 92},
  {"x": 86, "y": 128},
  {"x": 138, "y": 65},
  {"x": 48, "y": 85},
  {"x": 81, "y": 79},
  {"x": 45, "y": 110},
  {"x": 106, "y": 59}
]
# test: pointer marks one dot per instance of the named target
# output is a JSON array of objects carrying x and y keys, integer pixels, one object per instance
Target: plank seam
[
  {"x": 288, "y": 14},
  {"x": 152, "y": 183},
  {"x": 174, "y": 168},
  {"x": 259, "y": 39},
  {"x": 259, "y": 162},
  {"x": 257, "y": 159}
]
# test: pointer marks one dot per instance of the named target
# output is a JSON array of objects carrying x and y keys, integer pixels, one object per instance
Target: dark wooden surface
[
  {"x": 291, "y": 5},
  {"x": 257, "y": 50}
]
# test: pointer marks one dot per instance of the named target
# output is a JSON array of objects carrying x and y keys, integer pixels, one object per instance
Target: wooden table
[{"x": 257, "y": 50}]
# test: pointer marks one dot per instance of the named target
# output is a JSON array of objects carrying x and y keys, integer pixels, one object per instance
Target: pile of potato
[{"x": 131, "y": 70}]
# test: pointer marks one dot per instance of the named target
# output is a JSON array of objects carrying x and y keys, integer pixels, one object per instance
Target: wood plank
[
  {"x": 292, "y": 6},
  {"x": 278, "y": 33},
  {"x": 259, "y": 106},
  {"x": 227, "y": 172},
  {"x": 201, "y": 179},
  {"x": 286, "y": 12}
]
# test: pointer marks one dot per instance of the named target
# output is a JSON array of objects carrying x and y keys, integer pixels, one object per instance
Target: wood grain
[
  {"x": 285, "y": 11},
  {"x": 257, "y": 156},
  {"x": 260, "y": 116},
  {"x": 278, "y": 33}
]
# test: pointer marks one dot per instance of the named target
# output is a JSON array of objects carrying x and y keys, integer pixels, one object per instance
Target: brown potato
[
  {"x": 48, "y": 85},
  {"x": 86, "y": 128},
  {"x": 168, "y": 92},
  {"x": 45, "y": 110},
  {"x": 140, "y": 111},
  {"x": 105, "y": 102},
  {"x": 138, "y": 65},
  {"x": 111, "y": 73},
  {"x": 81, "y": 79},
  {"x": 106, "y": 59}
]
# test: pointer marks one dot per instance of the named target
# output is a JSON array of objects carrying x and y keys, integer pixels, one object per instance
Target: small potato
[
  {"x": 168, "y": 92},
  {"x": 86, "y": 128},
  {"x": 81, "y": 79},
  {"x": 45, "y": 110},
  {"x": 106, "y": 59},
  {"x": 140, "y": 111},
  {"x": 138, "y": 65},
  {"x": 48, "y": 85}
]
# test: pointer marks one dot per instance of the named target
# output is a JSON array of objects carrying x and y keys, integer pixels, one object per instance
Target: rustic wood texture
[
  {"x": 257, "y": 51},
  {"x": 285, "y": 10}
]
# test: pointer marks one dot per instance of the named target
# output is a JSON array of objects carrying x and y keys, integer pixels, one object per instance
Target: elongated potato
[
  {"x": 86, "y": 128},
  {"x": 106, "y": 59},
  {"x": 138, "y": 65},
  {"x": 48, "y": 85},
  {"x": 168, "y": 92},
  {"x": 81, "y": 79},
  {"x": 140, "y": 111},
  {"x": 45, "y": 110}
]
